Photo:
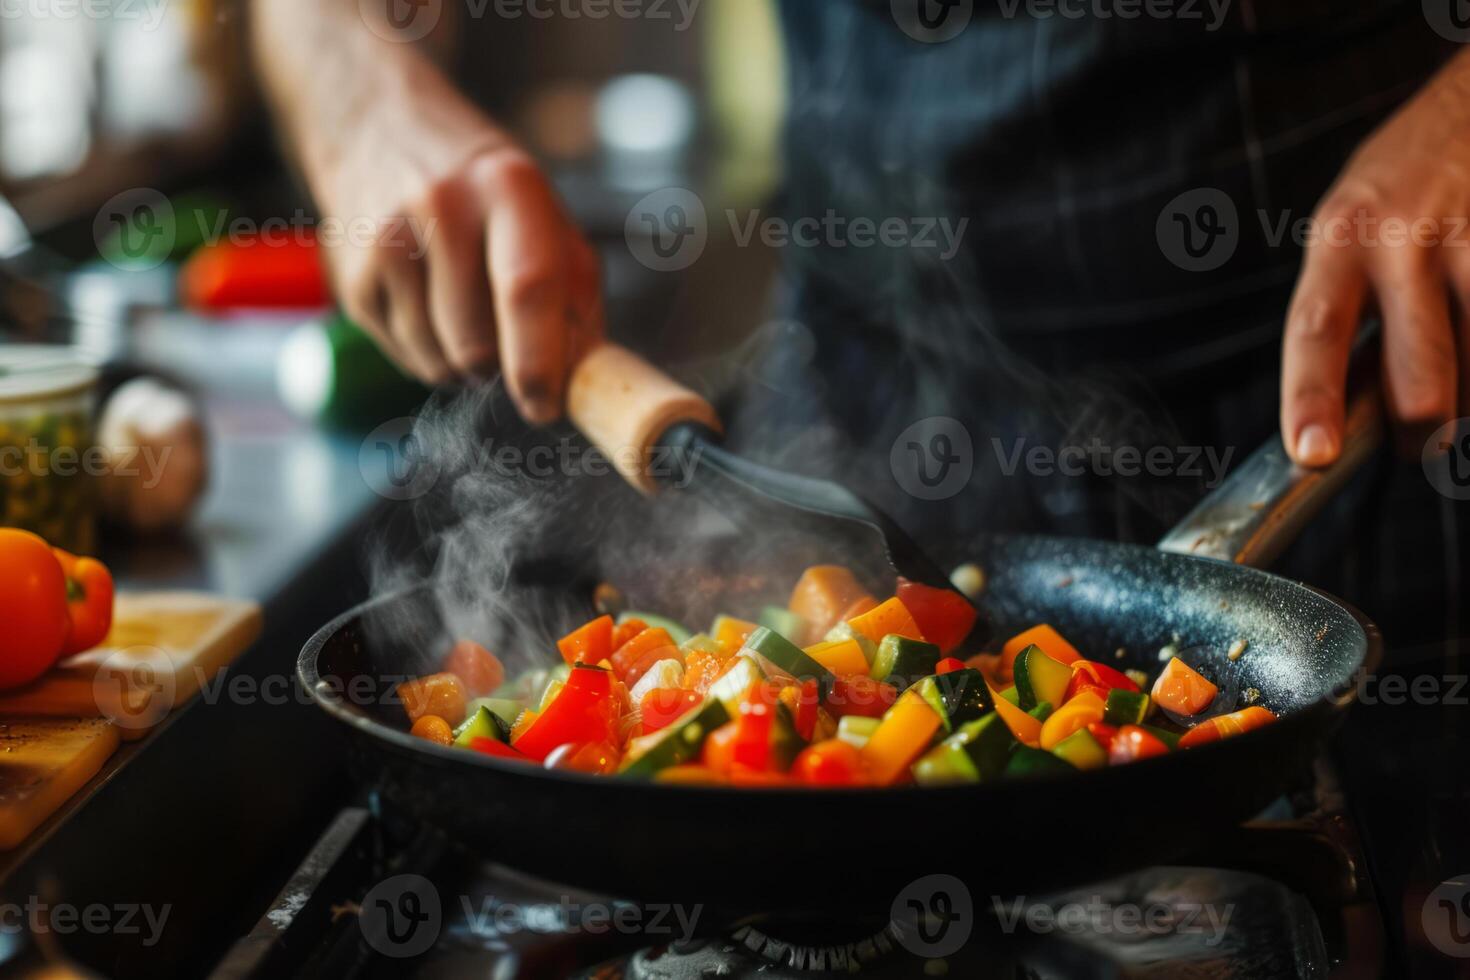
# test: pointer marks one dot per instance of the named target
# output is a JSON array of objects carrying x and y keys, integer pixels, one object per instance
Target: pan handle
[
  {"x": 623, "y": 404},
  {"x": 1263, "y": 505}
]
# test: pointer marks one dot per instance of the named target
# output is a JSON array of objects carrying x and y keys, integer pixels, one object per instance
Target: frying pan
[{"x": 771, "y": 849}]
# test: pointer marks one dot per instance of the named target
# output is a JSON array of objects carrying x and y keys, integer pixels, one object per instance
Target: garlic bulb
[{"x": 157, "y": 456}]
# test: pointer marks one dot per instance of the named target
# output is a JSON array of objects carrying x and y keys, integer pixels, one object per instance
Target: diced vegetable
[
  {"x": 1025, "y": 728},
  {"x": 479, "y": 669},
  {"x": 958, "y": 697},
  {"x": 905, "y": 733},
  {"x": 889, "y": 617},
  {"x": 730, "y": 633},
  {"x": 678, "y": 631},
  {"x": 1044, "y": 636},
  {"x": 1027, "y": 761},
  {"x": 664, "y": 673},
  {"x": 1168, "y": 737},
  {"x": 901, "y": 661},
  {"x": 829, "y": 763},
  {"x": 484, "y": 723},
  {"x": 434, "y": 729},
  {"x": 949, "y": 665},
  {"x": 655, "y": 642},
  {"x": 1103, "y": 675},
  {"x": 701, "y": 670},
  {"x": 945, "y": 764},
  {"x": 584, "y": 711},
  {"x": 437, "y": 694},
  {"x": 590, "y": 644},
  {"x": 988, "y": 743},
  {"x": 858, "y": 694},
  {"x": 776, "y": 653},
  {"x": 840, "y": 656},
  {"x": 1126, "y": 707},
  {"x": 596, "y": 758},
  {"x": 1182, "y": 690},
  {"x": 943, "y": 616},
  {"x": 505, "y": 709},
  {"x": 1133, "y": 743},
  {"x": 1040, "y": 678},
  {"x": 679, "y": 742},
  {"x": 785, "y": 622},
  {"x": 664, "y": 705},
  {"x": 740, "y": 674},
  {"x": 822, "y": 596},
  {"x": 855, "y": 730},
  {"x": 1083, "y": 710},
  {"x": 1082, "y": 750},
  {"x": 1226, "y": 726},
  {"x": 490, "y": 746}
]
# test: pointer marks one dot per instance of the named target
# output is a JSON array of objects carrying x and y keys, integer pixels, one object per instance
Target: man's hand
[
  {"x": 1392, "y": 232},
  {"x": 455, "y": 253}
]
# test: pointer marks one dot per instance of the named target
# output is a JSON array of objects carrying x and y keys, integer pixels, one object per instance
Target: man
[{"x": 1133, "y": 182}]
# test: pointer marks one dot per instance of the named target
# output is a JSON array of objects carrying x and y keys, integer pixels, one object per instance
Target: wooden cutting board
[
  {"x": 162, "y": 648},
  {"x": 43, "y": 761}
]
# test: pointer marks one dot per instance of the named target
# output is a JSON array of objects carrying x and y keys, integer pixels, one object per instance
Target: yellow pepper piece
[
  {"x": 887, "y": 617},
  {"x": 730, "y": 632},
  {"x": 1082, "y": 710},
  {"x": 840, "y": 656},
  {"x": 1026, "y": 728},
  {"x": 902, "y": 737}
]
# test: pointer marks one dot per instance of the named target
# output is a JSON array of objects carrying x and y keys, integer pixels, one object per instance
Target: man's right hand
[{"x": 455, "y": 253}]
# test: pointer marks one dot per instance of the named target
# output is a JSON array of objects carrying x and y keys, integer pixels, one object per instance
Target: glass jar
[{"x": 49, "y": 461}]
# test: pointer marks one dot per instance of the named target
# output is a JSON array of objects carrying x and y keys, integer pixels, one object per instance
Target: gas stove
[{"x": 1286, "y": 896}]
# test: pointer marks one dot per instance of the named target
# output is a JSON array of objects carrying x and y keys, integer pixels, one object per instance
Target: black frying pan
[{"x": 857, "y": 848}]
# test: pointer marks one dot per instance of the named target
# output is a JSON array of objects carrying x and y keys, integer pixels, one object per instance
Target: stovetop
[{"x": 1287, "y": 896}]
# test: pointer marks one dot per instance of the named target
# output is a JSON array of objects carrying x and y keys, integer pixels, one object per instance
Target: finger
[
  {"x": 1320, "y": 325},
  {"x": 453, "y": 240},
  {"x": 1419, "y": 357},
  {"x": 408, "y": 320},
  {"x": 528, "y": 282},
  {"x": 1459, "y": 273},
  {"x": 588, "y": 319}
]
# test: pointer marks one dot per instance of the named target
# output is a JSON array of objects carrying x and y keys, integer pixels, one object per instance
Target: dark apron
[{"x": 1101, "y": 293}]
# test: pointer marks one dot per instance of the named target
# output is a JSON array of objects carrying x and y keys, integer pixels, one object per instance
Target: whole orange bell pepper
[{"x": 89, "y": 593}]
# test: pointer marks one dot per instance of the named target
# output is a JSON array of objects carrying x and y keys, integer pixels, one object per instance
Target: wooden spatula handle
[{"x": 623, "y": 404}]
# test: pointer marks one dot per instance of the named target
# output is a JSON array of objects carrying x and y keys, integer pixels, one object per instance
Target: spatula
[{"x": 658, "y": 434}]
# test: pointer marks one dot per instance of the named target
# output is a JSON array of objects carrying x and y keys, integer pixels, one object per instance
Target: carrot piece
[
  {"x": 1182, "y": 690},
  {"x": 436, "y": 694},
  {"x": 840, "y": 656},
  {"x": 626, "y": 630},
  {"x": 653, "y": 639},
  {"x": 1224, "y": 726},
  {"x": 1026, "y": 728},
  {"x": 589, "y": 643},
  {"x": 891, "y": 616},
  {"x": 433, "y": 728},
  {"x": 481, "y": 671},
  {"x": 1051, "y": 642},
  {"x": 822, "y": 595}
]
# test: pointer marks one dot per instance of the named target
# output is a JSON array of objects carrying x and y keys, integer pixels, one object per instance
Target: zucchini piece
[
  {"x": 844, "y": 631},
  {"x": 484, "y": 723},
  {"x": 1040, "y": 678},
  {"x": 681, "y": 740},
  {"x": 855, "y": 730},
  {"x": 959, "y": 696},
  {"x": 783, "y": 621},
  {"x": 1027, "y": 761},
  {"x": 904, "y": 659},
  {"x": 945, "y": 764},
  {"x": 1081, "y": 750},
  {"x": 506, "y": 709},
  {"x": 773, "y": 650},
  {"x": 988, "y": 743},
  {"x": 1126, "y": 707},
  {"x": 1041, "y": 712},
  {"x": 735, "y": 682},
  {"x": 1010, "y": 695},
  {"x": 679, "y": 632}
]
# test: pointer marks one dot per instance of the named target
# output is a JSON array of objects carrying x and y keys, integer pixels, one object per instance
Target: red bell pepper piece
[
  {"x": 1083, "y": 681},
  {"x": 663, "y": 705},
  {"x": 753, "y": 728},
  {"x": 588, "y": 644},
  {"x": 1133, "y": 743},
  {"x": 830, "y": 763},
  {"x": 1104, "y": 733},
  {"x": 497, "y": 748},
  {"x": 1104, "y": 676},
  {"x": 808, "y": 701},
  {"x": 943, "y": 615},
  {"x": 585, "y": 710},
  {"x": 949, "y": 665},
  {"x": 858, "y": 694}
]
